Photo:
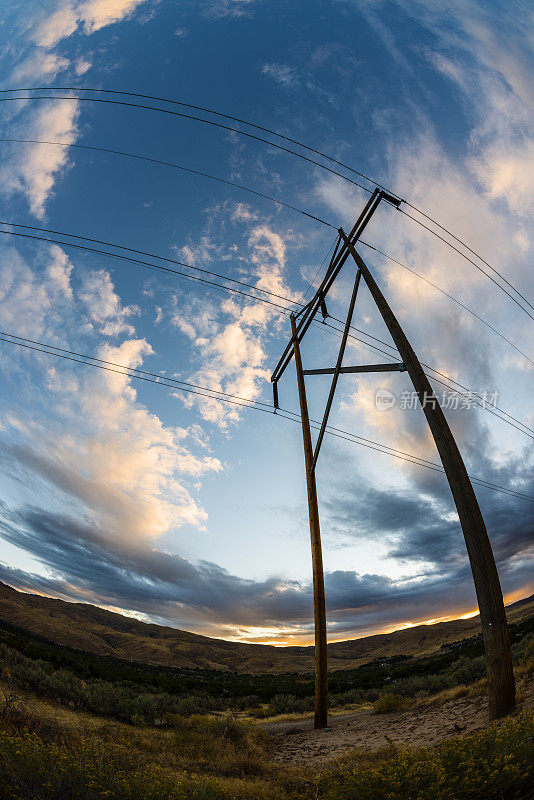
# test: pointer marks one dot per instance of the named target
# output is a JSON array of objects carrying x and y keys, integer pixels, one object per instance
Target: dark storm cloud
[
  {"x": 141, "y": 578},
  {"x": 369, "y": 509},
  {"x": 415, "y": 528},
  {"x": 80, "y": 563}
]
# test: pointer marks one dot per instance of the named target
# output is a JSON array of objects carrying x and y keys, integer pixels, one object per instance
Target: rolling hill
[{"x": 87, "y": 627}]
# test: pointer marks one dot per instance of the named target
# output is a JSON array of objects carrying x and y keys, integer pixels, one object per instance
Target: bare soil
[{"x": 296, "y": 743}]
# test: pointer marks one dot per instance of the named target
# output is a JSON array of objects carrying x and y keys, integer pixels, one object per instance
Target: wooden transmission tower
[{"x": 501, "y": 689}]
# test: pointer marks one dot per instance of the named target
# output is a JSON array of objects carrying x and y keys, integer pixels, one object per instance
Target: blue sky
[{"x": 192, "y": 512}]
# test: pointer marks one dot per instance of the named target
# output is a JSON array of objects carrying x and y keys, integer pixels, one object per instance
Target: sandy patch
[{"x": 296, "y": 742}]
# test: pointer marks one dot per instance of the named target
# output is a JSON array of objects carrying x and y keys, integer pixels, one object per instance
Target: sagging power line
[
  {"x": 181, "y": 167},
  {"x": 282, "y": 309},
  {"x": 279, "y": 135},
  {"x": 218, "y": 395},
  {"x": 292, "y": 207}
]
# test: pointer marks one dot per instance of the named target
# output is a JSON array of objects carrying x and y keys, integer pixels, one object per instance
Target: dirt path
[{"x": 297, "y": 742}]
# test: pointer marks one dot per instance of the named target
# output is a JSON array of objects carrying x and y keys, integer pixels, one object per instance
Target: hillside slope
[{"x": 87, "y": 627}]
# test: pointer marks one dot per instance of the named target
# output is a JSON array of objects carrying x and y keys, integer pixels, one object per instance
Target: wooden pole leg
[
  {"x": 501, "y": 686},
  {"x": 319, "y": 606}
]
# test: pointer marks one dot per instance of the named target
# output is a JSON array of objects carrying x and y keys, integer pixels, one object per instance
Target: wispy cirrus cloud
[
  {"x": 281, "y": 73},
  {"x": 219, "y": 9}
]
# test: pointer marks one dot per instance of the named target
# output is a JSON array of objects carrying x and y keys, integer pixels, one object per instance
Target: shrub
[
  {"x": 446, "y": 695},
  {"x": 120, "y": 700},
  {"x": 387, "y": 703},
  {"x": 30, "y": 768},
  {"x": 289, "y": 704},
  {"x": 251, "y": 701},
  {"x": 494, "y": 764}
]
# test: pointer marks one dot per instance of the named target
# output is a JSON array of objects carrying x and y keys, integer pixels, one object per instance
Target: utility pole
[
  {"x": 501, "y": 688},
  {"x": 319, "y": 608}
]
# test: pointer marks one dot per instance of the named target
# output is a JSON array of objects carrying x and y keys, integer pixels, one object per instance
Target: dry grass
[
  {"x": 445, "y": 696},
  {"x": 53, "y": 753}
]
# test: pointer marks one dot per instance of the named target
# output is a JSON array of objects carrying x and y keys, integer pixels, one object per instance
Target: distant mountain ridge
[{"x": 88, "y": 627}]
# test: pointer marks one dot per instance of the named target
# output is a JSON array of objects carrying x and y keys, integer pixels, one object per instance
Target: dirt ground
[{"x": 296, "y": 743}]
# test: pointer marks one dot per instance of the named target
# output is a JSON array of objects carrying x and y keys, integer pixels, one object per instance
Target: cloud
[
  {"x": 37, "y": 302},
  {"x": 59, "y": 271},
  {"x": 218, "y": 9},
  {"x": 120, "y": 477},
  {"x": 114, "y": 482},
  {"x": 229, "y": 339},
  {"x": 25, "y": 302},
  {"x": 281, "y": 73},
  {"x": 103, "y": 305},
  {"x": 479, "y": 187},
  {"x": 36, "y": 167},
  {"x": 508, "y": 173},
  {"x": 54, "y": 27},
  {"x": 83, "y": 433},
  {"x": 494, "y": 75},
  {"x": 82, "y": 65},
  {"x": 82, "y": 563},
  {"x": 97, "y": 14},
  {"x": 106, "y": 454},
  {"x": 39, "y": 65},
  {"x": 33, "y": 169},
  {"x": 88, "y": 15}
]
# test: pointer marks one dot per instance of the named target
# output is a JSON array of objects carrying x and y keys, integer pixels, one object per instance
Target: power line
[
  {"x": 280, "y": 136},
  {"x": 470, "y": 249},
  {"x": 473, "y": 396},
  {"x": 450, "y": 296},
  {"x": 250, "y": 286},
  {"x": 286, "y": 205},
  {"x": 161, "y": 380},
  {"x": 174, "y": 166},
  {"x": 319, "y": 268},
  {"x": 207, "y": 111},
  {"x": 159, "y": 376},
  {"x": 194, "y": 278},
  {"x": 191, "y": 117},
  {"x": 156, "y": 267},
  {"x": 284, "y": 309},
  {"x": 279, "y": 202},
  {"x": 122, "y": 370},
  {"x": 480, "y": 269}
]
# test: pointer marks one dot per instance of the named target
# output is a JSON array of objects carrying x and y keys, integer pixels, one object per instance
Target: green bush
[
  {"x": 289, "y": 704},
  {"x": 120, "y": 700},
  {"x": 387, "y": 703}
]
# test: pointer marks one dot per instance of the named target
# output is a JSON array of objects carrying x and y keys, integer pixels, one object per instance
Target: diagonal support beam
[
  {"x": 337, "y": 368},
  {"x": 334, "y": 267},
  {"x": 501, "y": 688}
]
